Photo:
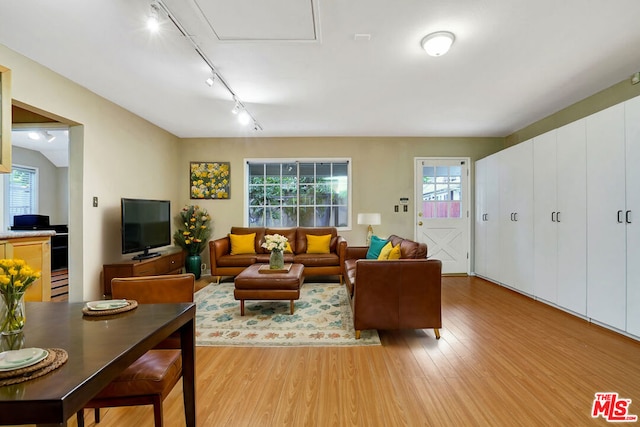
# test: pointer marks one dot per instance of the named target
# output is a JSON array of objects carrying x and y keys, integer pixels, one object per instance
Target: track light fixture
[
  {"x": 244, "y": 116},
  {"x": 153, "y": 20},
  {"x": 41, "y": 134}
]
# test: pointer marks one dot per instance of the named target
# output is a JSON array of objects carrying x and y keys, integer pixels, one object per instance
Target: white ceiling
[{"x": 297, "y": 68}]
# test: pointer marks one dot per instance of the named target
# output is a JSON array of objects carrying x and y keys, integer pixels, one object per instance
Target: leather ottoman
[{"x": 251, "y": 284}]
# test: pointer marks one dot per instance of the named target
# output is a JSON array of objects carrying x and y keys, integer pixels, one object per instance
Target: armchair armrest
[
  {"x": 356, "y": 252},
  {"x": 218, "y": 248}
]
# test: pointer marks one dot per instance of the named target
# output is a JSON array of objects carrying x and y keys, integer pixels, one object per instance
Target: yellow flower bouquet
[
  {"x": 194, "y": 229},
  {"x": 15, "y": 278}
]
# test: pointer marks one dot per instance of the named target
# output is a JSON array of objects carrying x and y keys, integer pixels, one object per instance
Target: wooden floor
[{"x": 503, "y": 360}]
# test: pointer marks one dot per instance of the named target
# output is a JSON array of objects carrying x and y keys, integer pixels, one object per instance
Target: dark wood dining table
[{"x": 98, "y": 348}]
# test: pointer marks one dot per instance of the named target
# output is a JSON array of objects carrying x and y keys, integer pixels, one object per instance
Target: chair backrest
[{"x": 155, "y": 289}]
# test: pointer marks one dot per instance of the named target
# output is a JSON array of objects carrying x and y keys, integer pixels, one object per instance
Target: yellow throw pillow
[
  {"x": 395, "y": 252},
  {"x": 318, "y": 244},
  {"x": 287, "y": 248},
  {"x": 243, "y": 243},
  {"x": 384, "y": 253}
]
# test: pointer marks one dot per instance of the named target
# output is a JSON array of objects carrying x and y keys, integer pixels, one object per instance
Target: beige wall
[
  {"x": 113, "y": 154},
  {"x": 382, "y": 172}
]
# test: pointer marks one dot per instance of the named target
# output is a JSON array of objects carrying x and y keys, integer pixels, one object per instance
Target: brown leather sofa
[
  {"x": 223, "y": 263},
  {"x": 394, "y": 294}
]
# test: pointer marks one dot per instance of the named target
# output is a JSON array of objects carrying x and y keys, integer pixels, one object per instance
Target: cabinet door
[
  {"x": 632, "y": 124},
  {"x": 516, "y": 208},
  {"x": 480, "y": 252},
  {"x": 493, "y": 263},
  {"x": 572, "y": 217},
  {"x": 606, "y": 249},
  {"x": 545, "y": 239}
]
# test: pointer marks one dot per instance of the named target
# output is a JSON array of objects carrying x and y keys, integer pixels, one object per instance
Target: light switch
[{"x": 95, "y": 202}]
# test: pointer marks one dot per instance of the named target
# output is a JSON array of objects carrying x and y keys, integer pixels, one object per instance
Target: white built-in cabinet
[
  {"x": 560, "y": 238},
  {"x": 516, "y": 217},
  {"x": 632, "y": 135},
  {"x": 568, "y": 226},
  {"x": 487, "y": 190}
]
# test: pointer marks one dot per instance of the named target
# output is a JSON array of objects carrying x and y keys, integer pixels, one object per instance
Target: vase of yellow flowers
[
  {"x": 275, "y": 243},
  {"x": 15, "y": 278},
  {"x": 192, "y": 235}
]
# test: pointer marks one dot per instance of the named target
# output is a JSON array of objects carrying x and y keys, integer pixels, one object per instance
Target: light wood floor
[{"x": 503, "y": 360}]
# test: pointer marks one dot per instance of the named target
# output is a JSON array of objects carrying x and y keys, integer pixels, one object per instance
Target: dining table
[{"x": 98, "y": 349}]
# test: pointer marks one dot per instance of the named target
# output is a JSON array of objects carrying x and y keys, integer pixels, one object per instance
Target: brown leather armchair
[{"x": 148, "y": 380}]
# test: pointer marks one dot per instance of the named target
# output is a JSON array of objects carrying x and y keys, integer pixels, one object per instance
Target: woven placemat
[
  {"x": 132, "y": 304},
  {"x": 56, "y": 358}
]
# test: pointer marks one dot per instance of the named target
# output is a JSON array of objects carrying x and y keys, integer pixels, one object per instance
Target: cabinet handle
[
  {"x": 627, "y": 217},
  {"x": 486, "y": 217},
  {"x": 511, "y": 216},
  {"x": 557, "y": 216},
  {"x": 553, "y": 217},
  {"x": 515, "y": 216},
  {"x": 619, "y": 217}
]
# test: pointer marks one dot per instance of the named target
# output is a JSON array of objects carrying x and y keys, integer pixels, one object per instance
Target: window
[
  {"x": 441, "y": 191},
  {"x": 23, "y": 191},
  {"x": 313, "y": 193}
]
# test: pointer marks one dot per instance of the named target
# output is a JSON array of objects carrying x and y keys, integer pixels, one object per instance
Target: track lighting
[
  {"x": 244, "y": 117},
  {"x": 41, "y": 134},
  {"x": 153, "y": 23},
  {"x": 153, "y": 20},
  {"x": 210, "y": 80}
]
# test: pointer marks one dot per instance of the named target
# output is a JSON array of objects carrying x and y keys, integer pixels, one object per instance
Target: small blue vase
[{"x": 192, "y": 265}]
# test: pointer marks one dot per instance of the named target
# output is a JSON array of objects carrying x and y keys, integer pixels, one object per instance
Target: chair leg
[
  {"x": 80, "y": 418},
  {"x": 157, "y": 410},
  {"x": 437, "y": 332},
  {"x": 291, "y": 306},
  {"x": 357, "y": 335},
  {"x": 96, "y": 414}
]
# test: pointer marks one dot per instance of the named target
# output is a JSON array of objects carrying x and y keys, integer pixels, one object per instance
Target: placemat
[
  {"x": 132, "y": 304},
  {"x": 56, "y": 358}
]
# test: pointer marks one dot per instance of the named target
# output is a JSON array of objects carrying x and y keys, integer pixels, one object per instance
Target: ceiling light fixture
[
  {"x": 244, "y": 117},
  {"x": 153, "y": 20},
  {"x": 210, "y": 80},
  {"x": 158, "y": 5},
  {"x": 49, "y": 137},
  {"x": 236, "y": 108},
  {"x": 438, "y": 43}
]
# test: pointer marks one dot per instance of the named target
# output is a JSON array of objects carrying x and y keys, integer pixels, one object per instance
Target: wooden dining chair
[{"x": 148, "y": 380}]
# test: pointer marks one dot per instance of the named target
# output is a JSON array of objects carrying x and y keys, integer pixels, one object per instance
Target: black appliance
[{"x": 59, "y": 242}]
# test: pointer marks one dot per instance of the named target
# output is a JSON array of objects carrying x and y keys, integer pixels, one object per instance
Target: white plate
[
  {"x": 17, "y": 359},
  {"x": 111, "y": 304}
]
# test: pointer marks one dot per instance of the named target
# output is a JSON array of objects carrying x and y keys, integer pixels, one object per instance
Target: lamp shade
[{"x": 369, "y": 218}]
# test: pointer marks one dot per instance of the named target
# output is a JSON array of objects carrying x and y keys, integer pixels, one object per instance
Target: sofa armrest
[{"x": 218, "y": 248}]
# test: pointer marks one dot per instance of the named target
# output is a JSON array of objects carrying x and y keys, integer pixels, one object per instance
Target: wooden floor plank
[{"x": 503, "y": 360}]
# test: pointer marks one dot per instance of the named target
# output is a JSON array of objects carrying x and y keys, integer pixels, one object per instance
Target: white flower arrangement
[{"x": 275, "y": 242}]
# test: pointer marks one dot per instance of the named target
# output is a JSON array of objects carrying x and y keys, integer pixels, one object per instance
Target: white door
[{"x": 442, "y": 217}]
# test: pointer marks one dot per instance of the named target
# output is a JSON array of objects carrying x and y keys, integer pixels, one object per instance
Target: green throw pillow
[{"x": 375, "y": 247}]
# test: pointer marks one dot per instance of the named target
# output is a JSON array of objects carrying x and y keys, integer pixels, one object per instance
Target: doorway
[{"x": 442, "y": 211}]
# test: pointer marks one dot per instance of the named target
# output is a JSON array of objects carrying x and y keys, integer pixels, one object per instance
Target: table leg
[{"x": 187, "y": 340}]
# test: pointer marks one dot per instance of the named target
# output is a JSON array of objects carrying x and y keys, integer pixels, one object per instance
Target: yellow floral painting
[{"x": 210, "y": 180}]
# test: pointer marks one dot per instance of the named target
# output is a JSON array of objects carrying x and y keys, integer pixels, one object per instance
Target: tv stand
[
  {"x": 146, "y": 255},
  {"x": 169, "y": 263}
]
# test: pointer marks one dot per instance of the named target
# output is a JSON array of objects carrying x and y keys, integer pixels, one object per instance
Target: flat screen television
[{"x": 146, "y": 224}]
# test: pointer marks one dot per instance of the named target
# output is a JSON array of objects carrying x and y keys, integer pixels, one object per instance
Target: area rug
[{"x": 322, "y": 317}]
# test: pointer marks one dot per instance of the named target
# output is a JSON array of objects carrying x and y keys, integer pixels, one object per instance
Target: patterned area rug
[{"x": 322, "y": 317}]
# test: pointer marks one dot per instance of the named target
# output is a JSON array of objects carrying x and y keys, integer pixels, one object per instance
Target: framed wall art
[{"x": 210, "y": 180}]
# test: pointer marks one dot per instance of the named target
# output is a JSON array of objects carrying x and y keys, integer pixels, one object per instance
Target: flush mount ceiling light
[{"x": 438, "y": 43}]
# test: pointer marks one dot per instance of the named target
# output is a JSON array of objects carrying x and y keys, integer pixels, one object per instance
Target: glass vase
[
  {"x": 12, "y": 313},
  {"x": 276, "y": 260},
  {"x": 192, "y": 265}
]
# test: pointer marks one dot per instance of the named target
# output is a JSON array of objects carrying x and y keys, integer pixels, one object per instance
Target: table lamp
[{"x": 370, "y": 219}]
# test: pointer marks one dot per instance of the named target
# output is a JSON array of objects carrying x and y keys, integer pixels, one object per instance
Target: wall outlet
[{"x": 203, "y": 266}]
